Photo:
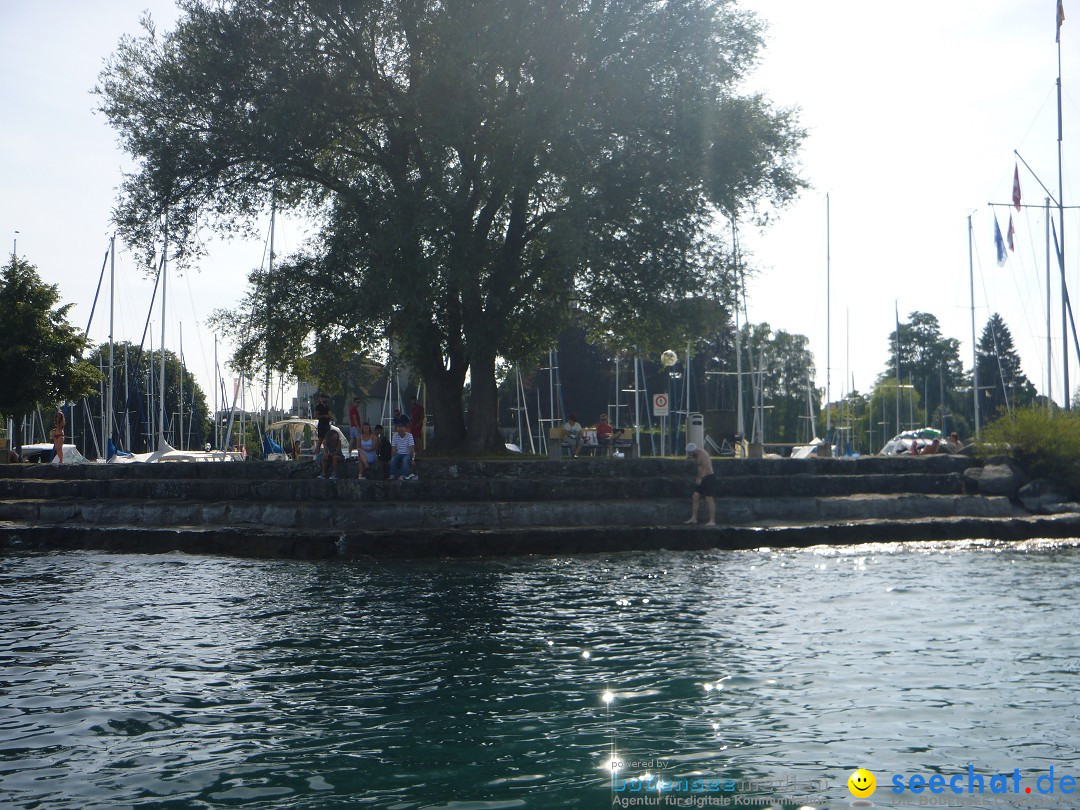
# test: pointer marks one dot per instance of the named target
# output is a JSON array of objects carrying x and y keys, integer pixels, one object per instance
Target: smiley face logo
[{"x": 862, "y": 783}]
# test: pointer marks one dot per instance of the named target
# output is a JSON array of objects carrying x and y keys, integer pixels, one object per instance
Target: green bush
[{"x": 1044, "y": 446}]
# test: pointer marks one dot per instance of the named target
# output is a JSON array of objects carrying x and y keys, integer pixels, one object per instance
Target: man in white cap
[{"x": 706, "y": 484}]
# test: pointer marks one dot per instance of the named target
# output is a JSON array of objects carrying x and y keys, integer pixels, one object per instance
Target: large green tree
[
  {"x": 40, "y": 351},
  {"x": 930, "y": 362},
  {"x": 474, "y": 165},
  {"x": 778, "y": 372},
  {"x": 1002, "y": 383}
]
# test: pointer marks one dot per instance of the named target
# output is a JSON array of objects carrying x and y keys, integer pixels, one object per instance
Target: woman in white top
[{"x": 367, "y": 448}]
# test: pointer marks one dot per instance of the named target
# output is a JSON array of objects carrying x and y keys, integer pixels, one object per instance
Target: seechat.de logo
[{"x": 862, "y": 783}]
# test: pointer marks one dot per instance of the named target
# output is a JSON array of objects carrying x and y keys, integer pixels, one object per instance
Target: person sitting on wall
[
  {"x": 385, "y": 451},
  {"x": 573, "y": 434},
  {"x": 332, "y": 454},
  {"x": 404, "y": 453},
  {"x": 367, "y": 448}
]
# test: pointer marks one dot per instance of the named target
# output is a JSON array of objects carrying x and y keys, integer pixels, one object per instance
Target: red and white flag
[
  {"x": 1016, "y": 186},
  {"x": 1012, "y": 231}
]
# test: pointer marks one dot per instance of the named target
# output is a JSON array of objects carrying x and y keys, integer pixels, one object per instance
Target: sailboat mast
[
  {"x": 180, "y": 380},
  {"x": 740, "y": 422},
  {"x": 161, "y": 385},
  {"x": 1061, "y": 218},
  {"x": 217, "y": 407},
  {"x": 974, "y": 345},
  {"x": 106, "y": 434},
  {"x": 828, "y": 325},
  {"x": 1049, "y": 352},
  {"x": 269, "y": 276}
]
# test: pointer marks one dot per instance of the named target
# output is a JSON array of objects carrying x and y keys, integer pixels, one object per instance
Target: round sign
[{"x": 660, "y": 404}]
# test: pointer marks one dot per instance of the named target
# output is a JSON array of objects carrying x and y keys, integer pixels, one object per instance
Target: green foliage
[
  {"x": 473, "y": 166},
  {"x": 1002, "y": 383},
  {"x": 929, "y": 361},
  {"x": 40, "y": 352},
  {"x": 783, "y": 360},
  {"x": 1044, "y": 446}
]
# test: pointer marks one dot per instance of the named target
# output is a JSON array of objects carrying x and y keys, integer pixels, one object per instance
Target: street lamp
[{"x": 668, "y": 359}]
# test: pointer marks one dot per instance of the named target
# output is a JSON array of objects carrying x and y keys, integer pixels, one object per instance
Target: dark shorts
[
  {"x": 707, "y": 487},
  {"x": 322, "y": 429}
]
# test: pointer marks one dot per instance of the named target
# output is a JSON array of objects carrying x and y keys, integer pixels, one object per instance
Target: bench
[{"x": 557, "y": 442}]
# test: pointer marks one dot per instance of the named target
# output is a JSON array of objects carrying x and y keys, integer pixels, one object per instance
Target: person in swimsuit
[
  {"x": 58, "y": 436},
  {"x": 706, "y": 484}
]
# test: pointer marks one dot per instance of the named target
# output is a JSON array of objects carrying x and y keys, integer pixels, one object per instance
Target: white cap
[{"x": 690, "y": 448}]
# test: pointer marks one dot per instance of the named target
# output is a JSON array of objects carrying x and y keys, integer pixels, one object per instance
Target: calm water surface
[{"x": 178, "y": 681}]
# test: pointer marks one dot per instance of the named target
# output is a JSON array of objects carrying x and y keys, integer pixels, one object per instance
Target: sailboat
[{"x": 165, "y": 452}]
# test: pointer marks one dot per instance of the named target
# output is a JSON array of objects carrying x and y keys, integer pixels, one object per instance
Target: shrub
[{"x": 1044, "y": 446}]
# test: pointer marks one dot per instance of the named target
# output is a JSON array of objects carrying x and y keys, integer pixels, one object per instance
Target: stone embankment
[{"x": 473, "y": 508}]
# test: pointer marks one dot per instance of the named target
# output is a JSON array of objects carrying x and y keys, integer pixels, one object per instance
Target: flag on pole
[
  {"x": 999, "y": 243},
  {"x": 1016, "y": 186},
  {"x": 1060, "y": 20},
  {"x": 1009, "y": 234}
]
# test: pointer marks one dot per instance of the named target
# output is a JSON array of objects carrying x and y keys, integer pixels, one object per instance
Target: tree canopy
[
  {"x": 1002, "y": 383},
  {"x": 40, "y": 351},
  {"x": 928, "y": 360},
  {"x": 474, "y": 166}
]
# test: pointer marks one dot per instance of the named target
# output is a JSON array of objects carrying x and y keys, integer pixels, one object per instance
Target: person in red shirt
[
  {"x": 416, "y": 421},
  {"x": 604, "y": 435}
]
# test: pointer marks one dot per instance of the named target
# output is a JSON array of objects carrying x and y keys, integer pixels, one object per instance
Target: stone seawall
[{"x": 470, "y": 508}]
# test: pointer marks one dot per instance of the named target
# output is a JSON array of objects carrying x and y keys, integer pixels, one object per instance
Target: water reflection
[{"x": 200, "y": 681}]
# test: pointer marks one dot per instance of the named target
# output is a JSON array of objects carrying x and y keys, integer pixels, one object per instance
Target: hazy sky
[{"x": 913, "y": 110}]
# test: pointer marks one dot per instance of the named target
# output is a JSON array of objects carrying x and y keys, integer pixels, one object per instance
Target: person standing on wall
[
  {"x": 706, "y": 484},
  {"x": 354, "y": 423},
  {"x": 416, "y": 421},
  {"x": 58, "y": 437},
  {"x": 324, "y": 415}
]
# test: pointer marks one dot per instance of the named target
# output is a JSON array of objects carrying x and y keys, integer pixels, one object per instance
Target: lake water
[{"x": 179, "y": 681}]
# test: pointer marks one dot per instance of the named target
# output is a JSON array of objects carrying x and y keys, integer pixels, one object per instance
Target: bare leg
[
  {"x": 712, "y": 510},
  {"x": 694, "y": 501}
]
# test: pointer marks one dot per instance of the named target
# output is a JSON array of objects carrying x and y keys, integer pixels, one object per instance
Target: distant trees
[
  {"x": 41, "y": 360},
  {"x": 135, "y": 407},
  {"x": 1002, "y": 383},
  {"x": 782, "y": 380},
  {"x": 930, "y": 362}
]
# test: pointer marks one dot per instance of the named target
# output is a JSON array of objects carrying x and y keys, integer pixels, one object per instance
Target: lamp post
[{"x": 668, "y": 359}]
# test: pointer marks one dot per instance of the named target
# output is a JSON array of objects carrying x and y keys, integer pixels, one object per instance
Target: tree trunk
[
  {"x": 444, "y": 390},
  {"x": 483, "y": 435}
]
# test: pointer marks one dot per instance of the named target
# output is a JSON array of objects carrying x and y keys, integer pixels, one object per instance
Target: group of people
[
  {"x": 373, "y": 448},
  {"x": 952, "y": 445},
  {"x": 606, "y": 434}
]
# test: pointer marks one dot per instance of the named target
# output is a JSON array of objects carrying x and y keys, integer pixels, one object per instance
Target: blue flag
[{"x": 999, "y": 243}]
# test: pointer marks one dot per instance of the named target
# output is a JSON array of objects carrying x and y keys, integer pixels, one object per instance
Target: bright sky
[{"x": 913, "y": 109}]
